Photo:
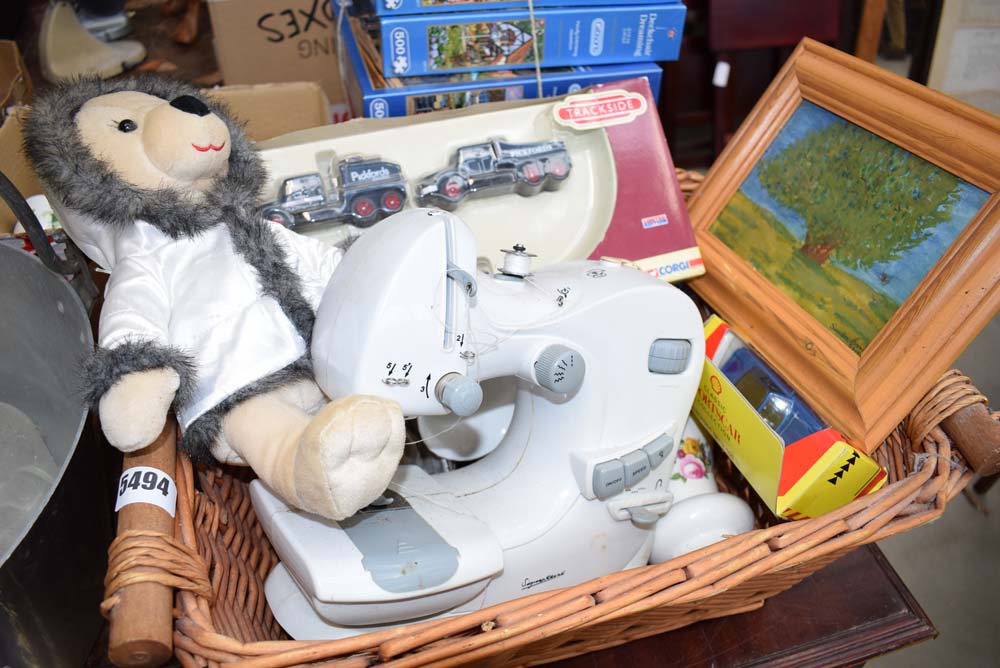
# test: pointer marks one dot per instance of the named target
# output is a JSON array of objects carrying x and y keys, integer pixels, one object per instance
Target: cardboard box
[
  {"x": 497, "y": 40},
  {"x": 373, "y": 96},
  {"x": 807, "y": 477},
  {"x": 269, "y": 110},
  {"x": 15, "y": 165},
  {"x": 389, "y": 7},
  {"x": 15, "y": 85},
  {"x": 264, "y": 41},
  {"x": 621, "y": 198}
]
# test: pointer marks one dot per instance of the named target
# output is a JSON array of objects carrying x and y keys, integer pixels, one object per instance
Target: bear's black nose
[{"x": 191, "y": 105}]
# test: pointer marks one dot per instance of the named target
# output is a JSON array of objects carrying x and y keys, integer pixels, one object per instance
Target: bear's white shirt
[{"x": 200, "y": 295}]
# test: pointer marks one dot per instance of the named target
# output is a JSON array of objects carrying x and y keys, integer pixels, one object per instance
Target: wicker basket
[{"x": 219, "y": 558}]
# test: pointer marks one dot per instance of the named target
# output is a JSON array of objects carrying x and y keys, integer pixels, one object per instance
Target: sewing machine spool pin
[{"x": 517, "y": 261}]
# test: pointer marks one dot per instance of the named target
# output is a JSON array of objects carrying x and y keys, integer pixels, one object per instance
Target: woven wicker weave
[{"x": 219, "y": 558}]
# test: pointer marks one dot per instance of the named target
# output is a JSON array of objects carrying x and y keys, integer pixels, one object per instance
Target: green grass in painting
[{"x": 838, "y": 300}]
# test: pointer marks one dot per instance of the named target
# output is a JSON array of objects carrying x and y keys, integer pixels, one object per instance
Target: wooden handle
[
  {"x": 142, "y": 623},
  {"x": 977, "y": 435}
]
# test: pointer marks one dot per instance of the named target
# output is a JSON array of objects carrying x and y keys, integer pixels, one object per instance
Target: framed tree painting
[{"x": 851, "y": 234}]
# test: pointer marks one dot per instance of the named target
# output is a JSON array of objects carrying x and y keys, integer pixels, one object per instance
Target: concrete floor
[{"x": 951, "y": 565}]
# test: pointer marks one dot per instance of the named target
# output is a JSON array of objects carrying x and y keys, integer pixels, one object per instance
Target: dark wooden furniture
[
  {"x": 853, "y": 610},
  {"x": 777, "y": 25}
]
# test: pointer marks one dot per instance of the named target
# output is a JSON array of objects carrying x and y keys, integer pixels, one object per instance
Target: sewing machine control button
[
  {"x": 642, "y": 516},
  {"x": 669, "y": 355},
  {"x": 658, "y": 449},
  {"x": 560, "y": 368},
  {"x": 609, "y": 478},
  {"x": 636, "y": 467},
  {"x": 460, "y": 394}
]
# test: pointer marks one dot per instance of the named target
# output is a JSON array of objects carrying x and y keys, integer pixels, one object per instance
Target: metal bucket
[{"x": 55, "y": 482}]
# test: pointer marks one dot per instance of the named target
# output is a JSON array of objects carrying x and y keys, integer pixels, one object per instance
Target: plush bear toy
[{"x": 209, "y": 309}]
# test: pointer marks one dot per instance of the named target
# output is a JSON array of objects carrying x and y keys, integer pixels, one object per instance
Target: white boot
[
  {"x": 68, "y": 50},
  {"x": 106, "y": 28}
]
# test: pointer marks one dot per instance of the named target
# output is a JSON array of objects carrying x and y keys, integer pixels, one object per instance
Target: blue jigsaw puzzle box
[
  {"x": 499, "y": 40},
  {"x": 390, "y": 7},
  {"x": 372, "y": 96}
]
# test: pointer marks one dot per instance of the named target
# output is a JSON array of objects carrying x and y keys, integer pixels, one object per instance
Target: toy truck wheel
[
  {"x": 280, "y": 216},
  {"x": 392, "y": 201},
  {"x": 452, "y": 187},
  {"x": 530, "y": 178},
  {"x": 532, "y": 172},
  {"x": 557, "y": 168},
  {"x": 363, "y": 208}
]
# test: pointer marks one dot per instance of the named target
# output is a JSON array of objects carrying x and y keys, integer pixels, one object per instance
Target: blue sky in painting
[{"x": 906, "y": 272}]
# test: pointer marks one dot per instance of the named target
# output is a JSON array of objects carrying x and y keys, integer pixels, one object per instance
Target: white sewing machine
[{"x": 606, "y": 361}]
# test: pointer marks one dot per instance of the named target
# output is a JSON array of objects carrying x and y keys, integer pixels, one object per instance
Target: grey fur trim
[
  {"x": 106, "y": 366},
  {"x": 84, "y": 183},
  {"x": 200, "y": 435},
  {"x": 258, "y": 245}
]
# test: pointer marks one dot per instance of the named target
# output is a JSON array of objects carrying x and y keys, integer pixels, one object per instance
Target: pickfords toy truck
[
  {"x": 496, "y": 167},
  {"x": 363, "y": 191}
]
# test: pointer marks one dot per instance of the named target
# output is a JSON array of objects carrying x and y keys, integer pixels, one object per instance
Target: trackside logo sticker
[{"x": 598, "y": 110}]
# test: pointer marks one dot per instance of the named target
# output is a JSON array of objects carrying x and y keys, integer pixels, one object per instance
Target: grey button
[
  {"x": 609, "y": 478},
  {"x": 460, "y": 394},
  {"x": 636, "y": 467},
  {"x": 669, "y": 355},
  {"x": 560, "y": 368},
  {"x": 658, "y": 449},
  {"x": 642, "y": 516}
]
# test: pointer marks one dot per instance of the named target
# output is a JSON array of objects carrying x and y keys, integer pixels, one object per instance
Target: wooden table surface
[{"x": 855, "y": 609}]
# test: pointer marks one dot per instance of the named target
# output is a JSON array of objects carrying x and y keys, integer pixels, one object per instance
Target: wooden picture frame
[{"x": 866, "y": 392}]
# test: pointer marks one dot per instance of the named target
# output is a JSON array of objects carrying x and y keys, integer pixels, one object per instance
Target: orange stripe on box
[
  {"x": 802, "y": 454},
  {"x": 874, "y": 481},
  {"x": 714, "y": 339}
]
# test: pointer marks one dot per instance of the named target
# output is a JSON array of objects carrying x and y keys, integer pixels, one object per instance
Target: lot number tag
[{"x": 143, "y": 484}]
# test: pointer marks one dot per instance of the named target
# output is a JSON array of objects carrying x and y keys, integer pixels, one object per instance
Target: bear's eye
[{"x": 128, "y": 125}]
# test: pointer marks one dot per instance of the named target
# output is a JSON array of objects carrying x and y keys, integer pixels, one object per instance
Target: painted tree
[{"x": 864, "y": 201}]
